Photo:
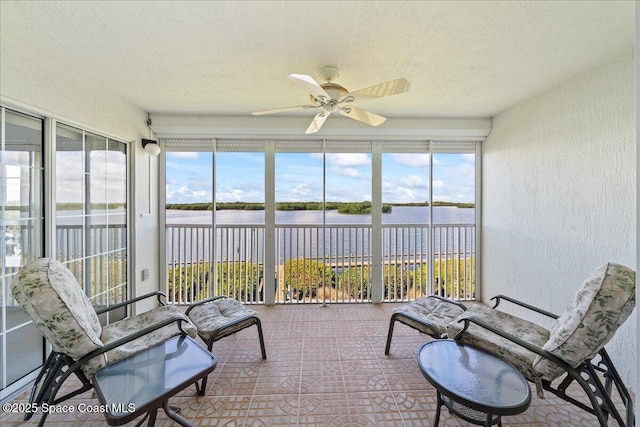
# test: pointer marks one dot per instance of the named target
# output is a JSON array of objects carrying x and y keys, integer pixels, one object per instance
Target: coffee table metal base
[{"x": 470, "y": 415}]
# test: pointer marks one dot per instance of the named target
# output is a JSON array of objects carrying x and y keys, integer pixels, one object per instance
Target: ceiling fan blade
[
  {"x": 284, "y": 109},
  {"x": 310, "y": 85},
  {"x": 362, "y": 115},
  {"x": 392, "y": 87},
  {"x": 317, "y": 122}
]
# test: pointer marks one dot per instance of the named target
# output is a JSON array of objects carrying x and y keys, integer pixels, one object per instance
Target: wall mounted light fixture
[{"x": 150, "y": 145}]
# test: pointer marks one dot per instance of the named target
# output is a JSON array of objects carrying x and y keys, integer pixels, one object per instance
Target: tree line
[{"x": 341, "y": 207}]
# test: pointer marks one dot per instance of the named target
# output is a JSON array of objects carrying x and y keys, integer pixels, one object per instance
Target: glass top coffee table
[
  {"x": 473, "y": 384},
  {"x": 144, "y": 383}
]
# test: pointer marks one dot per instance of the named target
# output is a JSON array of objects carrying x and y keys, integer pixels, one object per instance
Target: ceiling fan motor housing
[{"x": 335, "y": 91}]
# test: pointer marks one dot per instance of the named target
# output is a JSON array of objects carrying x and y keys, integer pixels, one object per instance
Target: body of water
[
  {"x": 300, "y": 233},
  {"x": 398, "y": 215}
]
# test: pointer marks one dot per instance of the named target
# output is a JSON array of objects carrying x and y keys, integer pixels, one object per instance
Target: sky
[{"x": 299, "y": 177}]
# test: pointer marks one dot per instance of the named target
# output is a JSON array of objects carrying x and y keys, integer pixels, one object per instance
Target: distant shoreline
[{"x": 341, "y": 207}]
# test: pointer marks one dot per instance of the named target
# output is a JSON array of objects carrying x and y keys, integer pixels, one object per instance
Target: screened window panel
[{"x": 407, "y": 185}]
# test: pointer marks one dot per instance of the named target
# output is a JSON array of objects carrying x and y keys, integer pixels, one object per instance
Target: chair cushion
[
  {"x": 49, "y": 293},
  {"x": 601, "y": 305},
  {"x": 218, "y": 315},
  {"x": 521, "y": 358},
  {"x": 129, "y": 325},
  {"x": 430, "y": 311}
]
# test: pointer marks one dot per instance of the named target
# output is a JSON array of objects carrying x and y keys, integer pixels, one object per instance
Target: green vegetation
[
  {"x": 299, "y": 206},
  {"x": 191, "y": 282},
  {"x": 309, "y": 279},
  {"x": 341, "y": 207}
]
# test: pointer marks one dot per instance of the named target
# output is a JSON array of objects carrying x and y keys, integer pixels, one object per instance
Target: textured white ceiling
[{"x": 463, "y": 59}]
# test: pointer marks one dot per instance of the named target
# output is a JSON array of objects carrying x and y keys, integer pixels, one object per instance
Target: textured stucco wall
[
  {"x": 637, "y": 63},
  {"x": 43, "y": 85},
  {"x": 36, "y": 80},
  {"x": 559, "y": 197}
]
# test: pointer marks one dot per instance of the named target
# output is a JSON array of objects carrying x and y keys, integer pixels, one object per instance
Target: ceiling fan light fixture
[{"x": 331, "y": 97}]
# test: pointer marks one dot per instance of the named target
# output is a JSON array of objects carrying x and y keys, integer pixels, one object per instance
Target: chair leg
[
  {"x": 611, "y": 375},
  {"x": 599, "y": 394},
  {"x": 202, "y": 386},
  {"x": 576, "y": 375},
  {"x": 54, "y": 377},
  {"x": 390, "y": 334},
  {"x": 261, "y": 337},
  {"x": 39, "y": 392}
]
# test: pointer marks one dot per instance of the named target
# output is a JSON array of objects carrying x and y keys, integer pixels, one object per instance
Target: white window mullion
[
  {"x": 269, "y": 265},
  {"x": 377, "y": 262},
  {"x": 49, "y": 159}
]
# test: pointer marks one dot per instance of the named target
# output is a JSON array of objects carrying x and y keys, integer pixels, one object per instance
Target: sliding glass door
[
  {"x": 91, "y": 215},
  {"x": 89, "y": 224},
  {"x": 22, "y": 348}
]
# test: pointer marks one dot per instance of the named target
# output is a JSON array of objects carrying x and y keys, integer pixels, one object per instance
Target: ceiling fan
[{"x": 331, "y": 97}]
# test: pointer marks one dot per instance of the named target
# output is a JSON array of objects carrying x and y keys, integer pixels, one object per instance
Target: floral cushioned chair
[
  {"x": 49, "y": 293},
  {"x": 219, "y": 317},
  {"x": 573, "y": 347}
]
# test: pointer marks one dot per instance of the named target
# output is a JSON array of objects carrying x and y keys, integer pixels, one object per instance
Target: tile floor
[{"x": 326, "y": 367}]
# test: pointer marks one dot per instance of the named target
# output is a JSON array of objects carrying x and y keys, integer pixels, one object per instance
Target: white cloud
[
  {"x": 348, "y": 159},
  {"x": 413, "y": 159},
  {"x": 182, "y": 155},
  {"x": 350, "y": 172},
  {"x": 415, "y": 181},
  {"x": 187, "y": 194}
]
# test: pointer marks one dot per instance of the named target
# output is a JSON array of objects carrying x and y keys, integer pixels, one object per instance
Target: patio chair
[
  {"x": 218, "y": 317},
  {"x": 51, "y": 296},
  {"x": 572, "y": 350},
  {"x": 429, "y": 315}
]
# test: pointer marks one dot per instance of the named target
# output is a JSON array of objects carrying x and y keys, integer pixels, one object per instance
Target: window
[
  {"x": 90, "y": 220},
  {"x": 22, "y": 222},
  {"x": 343, "y": 220},
  {"x": 91, "y": 214}
]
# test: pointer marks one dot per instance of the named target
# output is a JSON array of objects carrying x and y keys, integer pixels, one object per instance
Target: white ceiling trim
[{"x": 180, "y": 126}]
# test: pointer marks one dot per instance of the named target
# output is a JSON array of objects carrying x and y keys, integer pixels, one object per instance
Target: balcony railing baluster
[{"x": 316, "y": 264}]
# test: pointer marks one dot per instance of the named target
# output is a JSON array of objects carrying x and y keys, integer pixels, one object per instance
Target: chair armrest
[
  {"x": 157, "y": 294},
  {"x": 450, "y": 301},
  {"x": 534, "y": 348},
  {"x": 498, "y": 298},
  {"x": 204, "y": 301}
]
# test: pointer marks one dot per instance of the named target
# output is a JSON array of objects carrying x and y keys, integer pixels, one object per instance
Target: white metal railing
[
  {"x": 316, "y": 264},
  {"x": 96, "y": 255}
]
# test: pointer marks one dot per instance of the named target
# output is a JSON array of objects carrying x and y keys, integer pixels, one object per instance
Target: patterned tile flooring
[{"x": 326, "y": 367}]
